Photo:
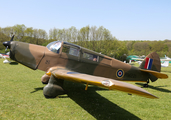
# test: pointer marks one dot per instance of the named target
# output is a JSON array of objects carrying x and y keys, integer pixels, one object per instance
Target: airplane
[
  {"x": 165, "y": 61},
  {"x": 6, "y": 57},
  {"x": 165, "y": 64},
  {"x": 66, "y": 61},
  {"x": 129, "y": 62}
]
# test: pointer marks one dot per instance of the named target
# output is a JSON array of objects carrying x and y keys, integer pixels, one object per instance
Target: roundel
[{"x": 120, "y": 73}]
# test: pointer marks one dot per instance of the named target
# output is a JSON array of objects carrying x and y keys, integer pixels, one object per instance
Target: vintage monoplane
[{"x": 65, "y": 61}]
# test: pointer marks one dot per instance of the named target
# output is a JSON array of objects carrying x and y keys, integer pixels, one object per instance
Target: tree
[
  {"x": 100, "y": 31},
  {"x": 84, "y": 33},
  {"x": 8, "y": 31},
  {"x": 74, "y": 33},
  {"x": 129, "y": 45},
  {"x": 19, "y": 31},
  {"x": 42, "y": 34},
  {"x": 157, "y": 46},
  {"x": 107, "y": 34},
  {"x": 29, "y": 32}
]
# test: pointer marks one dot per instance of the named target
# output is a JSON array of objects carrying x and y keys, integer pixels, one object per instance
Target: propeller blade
[
  {"x": 6, "y": 48},
  {"x": 12, "y": 38}
]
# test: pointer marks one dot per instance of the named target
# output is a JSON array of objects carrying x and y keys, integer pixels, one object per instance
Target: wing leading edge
[{"x": 110, "y": 84}]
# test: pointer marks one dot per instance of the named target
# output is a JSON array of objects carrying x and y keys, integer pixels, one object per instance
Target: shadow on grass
[
  {"x": 13, "y": 63},
  {"x": 95, "y": 104},
  {"x": 156, "y": 87},
  {"x": 37, "y": 89}
]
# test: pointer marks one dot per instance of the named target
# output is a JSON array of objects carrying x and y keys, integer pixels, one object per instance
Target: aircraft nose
[{"x": 7, "y": 44}]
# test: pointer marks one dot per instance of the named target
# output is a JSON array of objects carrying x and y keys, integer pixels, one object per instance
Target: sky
[{"x": 125, "y": 19}]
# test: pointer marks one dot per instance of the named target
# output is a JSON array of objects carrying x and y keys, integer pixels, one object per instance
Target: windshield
[{"x": 54, "y": 46}]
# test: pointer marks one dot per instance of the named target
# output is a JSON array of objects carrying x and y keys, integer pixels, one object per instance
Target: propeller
[{"x": 7, "y": 43}]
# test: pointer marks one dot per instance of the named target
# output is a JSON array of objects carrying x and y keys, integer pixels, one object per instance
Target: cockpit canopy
[
  {"x": 76, "y": 52},
  {"x": 54, "y": 46}
]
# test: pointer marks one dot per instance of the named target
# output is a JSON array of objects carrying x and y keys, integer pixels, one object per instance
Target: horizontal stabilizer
[{"x": 155, "y": 73}]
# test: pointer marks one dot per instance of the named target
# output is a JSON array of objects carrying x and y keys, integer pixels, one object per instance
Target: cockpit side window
[
  {"x": 71, "y": 50},
  {"x": 90, "y": 56},
  {"x": 54, "y": 46},
  {"x": 65, "y": 49}
]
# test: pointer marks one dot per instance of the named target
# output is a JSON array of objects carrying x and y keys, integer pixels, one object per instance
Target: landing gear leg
[
  {"x": 146, "y": 85},
  {"x": 54, "y": 88}
]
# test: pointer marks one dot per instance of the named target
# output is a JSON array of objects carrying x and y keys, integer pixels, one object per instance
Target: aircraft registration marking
[{"x": 47, "y": 62}]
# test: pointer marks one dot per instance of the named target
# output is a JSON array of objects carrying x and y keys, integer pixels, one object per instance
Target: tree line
[{"x": 95, "y": 38}]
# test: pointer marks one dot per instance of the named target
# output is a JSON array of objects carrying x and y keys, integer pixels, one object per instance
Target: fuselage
[{"x": 75, "y": 58}]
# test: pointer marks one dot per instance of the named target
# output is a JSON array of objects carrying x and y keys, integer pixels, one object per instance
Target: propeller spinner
[{"x": 7, "y": 43}]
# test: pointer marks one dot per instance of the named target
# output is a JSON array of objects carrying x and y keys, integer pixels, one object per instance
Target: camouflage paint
[
  {"x": 51, "y": 59},
  {"x": 156, "y": 65},
  {"x": 40, "y": 57},
  {"x": 26, "y": 54}
]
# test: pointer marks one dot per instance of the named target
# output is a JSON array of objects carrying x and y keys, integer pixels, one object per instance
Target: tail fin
[{"x": 151, "y": 62}]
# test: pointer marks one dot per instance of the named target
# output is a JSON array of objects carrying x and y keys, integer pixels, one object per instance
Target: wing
[
  {"x": 137, "y": 59},
  {"x": 165, "y": 59},
  {"x": 111, "y": 84}
]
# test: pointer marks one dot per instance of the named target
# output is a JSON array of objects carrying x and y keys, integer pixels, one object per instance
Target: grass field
[{"x": 21, "y": 97}]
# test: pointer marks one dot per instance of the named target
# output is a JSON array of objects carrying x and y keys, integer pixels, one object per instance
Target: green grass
[{"x": 21, "y": 97}]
